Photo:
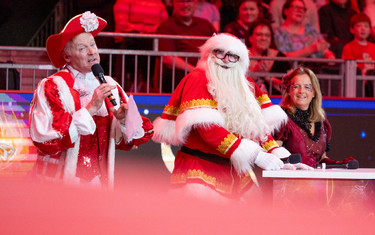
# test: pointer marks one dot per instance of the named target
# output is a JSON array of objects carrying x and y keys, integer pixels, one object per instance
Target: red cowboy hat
[{"x": 86, "y": 22}]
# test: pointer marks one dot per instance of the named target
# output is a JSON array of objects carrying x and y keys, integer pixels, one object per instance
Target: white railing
[{"x": 342, "y": 83}]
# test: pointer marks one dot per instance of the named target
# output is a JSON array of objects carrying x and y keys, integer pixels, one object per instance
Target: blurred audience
[
  {"x": 311, "y": 15},
  {"x": 208, "y": 11},
  {"x": 369, "y": 10},
  {"x": 142, "y": 16},
  {"x": 296, "y": 39},
  {"x": 334, "y": 20},
  {"x": 182, "y": 22},
  {"x": 259, "y": 42},
  {"x": 248, "y": 11},
  {"x": 361, "y": 49}
]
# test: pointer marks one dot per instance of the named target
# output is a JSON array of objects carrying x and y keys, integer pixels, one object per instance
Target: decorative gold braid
[
  {"x": 246, "y": 179},
  {"x": 171, "y": 110},
  {"x": 270, "y": 145},
  {"x": 263, "y": 99},
  {"x": 199, "y": 103},
  {"x": 226, "y": 143},
  {"x": 198, "y": 174}
]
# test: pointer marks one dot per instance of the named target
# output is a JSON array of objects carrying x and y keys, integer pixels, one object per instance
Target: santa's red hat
[{"x": 86, "y": 22}]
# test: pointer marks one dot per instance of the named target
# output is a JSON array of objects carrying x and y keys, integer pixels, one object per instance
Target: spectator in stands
[
  {"x": 72, "y": 124},
  {"x": 296, "y": 39},
  {"x": 141, "y": 16},
  {"x": 335, "y": 24},
  {"x": 369, "y": 10},
  {"x": 311, "y": 15},
  {"x": 168, "y": 6},
  {"x": 208, "y": 11},
  {"x": 248, "y": 11},
  {"x": 182, "y": 22},
  {"x": 259, "y": 42},
  {"x": 307, "y": 131},
  {"x": 361, "y": 49}
]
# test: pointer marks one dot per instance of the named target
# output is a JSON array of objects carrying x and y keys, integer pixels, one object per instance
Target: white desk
[
  {"x": 333, "y": 189},
  {"x": 357, "y": 174}
]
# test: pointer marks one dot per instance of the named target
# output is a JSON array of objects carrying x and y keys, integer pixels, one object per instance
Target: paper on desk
[{"x": 133, "y": 120}]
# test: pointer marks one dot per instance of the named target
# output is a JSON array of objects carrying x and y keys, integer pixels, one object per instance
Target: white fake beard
[{"x": 236, "y": 100}]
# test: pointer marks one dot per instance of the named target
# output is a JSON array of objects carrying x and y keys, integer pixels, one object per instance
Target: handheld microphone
[
  {"x": 352, "y": 164},
  {"x": 294, "y": 158},
  {"x": 98, "y": 71}
]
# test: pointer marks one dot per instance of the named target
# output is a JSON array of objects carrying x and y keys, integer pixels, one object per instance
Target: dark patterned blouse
[{"x": 297, "y": 138}]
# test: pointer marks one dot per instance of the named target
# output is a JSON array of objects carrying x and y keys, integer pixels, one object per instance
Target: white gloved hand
[
  {"x": 297, "y": 166},
  {"x": 268, "y": 161},
  {"x": 303, "y": 166}
]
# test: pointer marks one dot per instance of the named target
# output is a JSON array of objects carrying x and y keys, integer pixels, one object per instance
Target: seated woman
[
  {"x": 296, "y": 39},
  {"x": 307, "y": 131},
  {"x": 248, "y": 11},
  {"x": 259, "y": 40}
]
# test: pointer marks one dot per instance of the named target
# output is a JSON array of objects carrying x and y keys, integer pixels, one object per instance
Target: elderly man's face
[
  {"x": 225, "y": 59},
  {"x": 81, "y": 52}
]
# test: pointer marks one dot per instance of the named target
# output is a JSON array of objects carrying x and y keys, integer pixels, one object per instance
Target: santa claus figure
[{"x": 222, "y": 121}]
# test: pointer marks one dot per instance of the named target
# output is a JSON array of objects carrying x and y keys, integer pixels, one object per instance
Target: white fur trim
[
  {"x": 72, "y": 153},
  {"x": 281, "y": 152},
  {"x": 196, "y": 117},
  {"x": 71, "y": 159},
  {"x": 111, "y": 154},
  {"x": 226, "y": 42},
  {"x": 175, "y": 132},
  {"x": 244, "y": 156},
  {"x": 165, "y": 131},
  {"x": 65, "y": 95},
  {"x": 275, "y": 117}
]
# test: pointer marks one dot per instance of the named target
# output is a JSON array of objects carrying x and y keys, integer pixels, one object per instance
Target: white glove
[
  {"x": 268, "y": 161},
  {"x": 297, "y": 166}
]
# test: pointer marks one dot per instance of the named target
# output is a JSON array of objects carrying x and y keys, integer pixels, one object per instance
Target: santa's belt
[{"x": 206, "y": 156}]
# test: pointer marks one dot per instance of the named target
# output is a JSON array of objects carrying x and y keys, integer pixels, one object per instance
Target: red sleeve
[
  {"x": 135, "y": 143},
  {"x": 219, "y": 138},
  {"x": 60, "y": 123}
]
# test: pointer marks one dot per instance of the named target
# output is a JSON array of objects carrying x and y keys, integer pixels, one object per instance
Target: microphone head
[
  {"x": 294, "y": 158},
  {"x": 97, "y": 69},
  {"x": 353, "y": 164}
]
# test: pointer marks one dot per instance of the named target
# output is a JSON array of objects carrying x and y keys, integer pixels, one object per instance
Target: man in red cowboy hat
[
  {"x": 223, "y": 122},
  {"x": 73, "y": 125}
]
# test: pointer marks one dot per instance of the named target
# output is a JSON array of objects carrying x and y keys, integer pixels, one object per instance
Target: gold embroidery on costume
[
  {"x": 199, "y": 103},
  {"x": 171, "y": 110},
  {"x": 198, "y": 174},
  {"x": 263, "y": 99},
  {"x": 226, "y": 143},
  {"x": 270, "y": 145}
]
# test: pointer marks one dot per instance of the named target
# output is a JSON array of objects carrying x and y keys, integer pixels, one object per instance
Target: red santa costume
[
  {"x": 222, "y": 121},
  {"x": 73, "y": 145}
]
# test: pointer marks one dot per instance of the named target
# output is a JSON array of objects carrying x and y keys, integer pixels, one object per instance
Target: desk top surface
[{"x": 360, "y": 173}]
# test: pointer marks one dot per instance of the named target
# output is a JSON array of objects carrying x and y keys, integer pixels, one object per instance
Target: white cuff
[
  {"x": 244, "y": 156},
  {"x": 281, "y": 152},
  {"x": 84, "y": 123}
]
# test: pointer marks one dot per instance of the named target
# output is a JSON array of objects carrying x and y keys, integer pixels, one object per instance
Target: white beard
[{"x": 236, "y": 101}]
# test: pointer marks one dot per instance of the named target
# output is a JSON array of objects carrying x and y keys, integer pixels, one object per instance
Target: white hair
[{"x": 235, "y": 96}]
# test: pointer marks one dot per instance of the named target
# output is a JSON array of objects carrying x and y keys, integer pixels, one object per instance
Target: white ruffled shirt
[{"x": 85, "y": 84}]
